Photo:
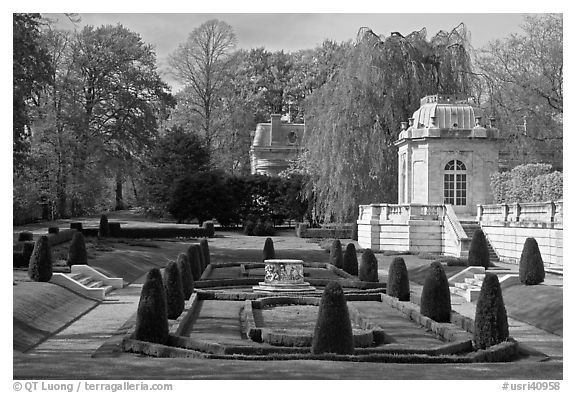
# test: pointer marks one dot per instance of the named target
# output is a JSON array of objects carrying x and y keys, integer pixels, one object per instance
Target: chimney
[{"x": 275, "y": 132}]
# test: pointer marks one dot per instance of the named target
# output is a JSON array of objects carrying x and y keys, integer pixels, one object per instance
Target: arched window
[{"x": 455, "y": 183}]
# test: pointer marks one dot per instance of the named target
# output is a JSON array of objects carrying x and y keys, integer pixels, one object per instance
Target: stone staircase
[
  {"x": 87, "y": 281},
  {"x": 470, "y": 227},
  {"x": 468, "y": 283}
]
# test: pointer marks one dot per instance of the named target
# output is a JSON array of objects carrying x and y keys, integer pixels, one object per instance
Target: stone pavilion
[
  {"x": 446, "y": 155},
  {"x": 275, "y": 144}
]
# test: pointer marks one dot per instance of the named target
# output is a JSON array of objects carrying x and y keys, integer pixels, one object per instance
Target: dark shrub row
[
  {"x": 329, "y": 232},
  {"x": 163, "y": 297},
  {"x": 233, "y": 200},
  {"x": 258, "y": 227}
]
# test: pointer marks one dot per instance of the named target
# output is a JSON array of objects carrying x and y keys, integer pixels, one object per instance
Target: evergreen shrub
[
  {"x": 76, "y": 225},
  {"x": 268, "y": 251},
  {"x": 435, "y": 299},
  {"x": 104, "y": 227},
  {"x": 355, "y": 231},
  {"x": 77, "y": 252},
  {"x": 336, "y": 257},
  {"x": 205, "y": 252},
  {"x": 25, "y": 236},
  {"x": 53, "y": 230},
  {"x": 491, "y": 321},
  {"x": 174, "y": 291},
  {"x": 209, "y": 227},
  {"x": 194, "y": 261},
  {"x": 186, "y": 275},
  {"x": 333, "y": 330},
  {"x": 398, "y": 285},
  {"x": 248, "y": 227},
  {"x": 531, "y": 263},
  {"x": 40, "y": 266},
  {"x": 478, "y": 254},
  {"x": 368, "y": 269},
  {"x": 151, "y": 317},
  {"x": 350, "y": 263},
  {"x": 114, "y": 228}
]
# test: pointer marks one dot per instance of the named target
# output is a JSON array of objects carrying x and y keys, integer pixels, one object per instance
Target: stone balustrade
[{"x": 534, "y": 212}]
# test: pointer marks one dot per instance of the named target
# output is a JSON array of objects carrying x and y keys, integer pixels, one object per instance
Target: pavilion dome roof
[{"x": 448, "y": 112}]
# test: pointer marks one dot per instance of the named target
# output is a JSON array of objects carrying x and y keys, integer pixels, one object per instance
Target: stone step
[
  {"x": 84, "y": 280},
  {"x": 473, "y": 282},
  {"x": 470, "y": 294}
]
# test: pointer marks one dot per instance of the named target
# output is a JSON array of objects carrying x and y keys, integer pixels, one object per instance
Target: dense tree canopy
[
  {"x": 522, "y": 81},
  {"x": 32, "y": 70},
  {"x": 353, "y": 119}
]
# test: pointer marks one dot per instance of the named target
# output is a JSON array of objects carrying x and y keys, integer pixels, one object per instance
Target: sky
[{"x": 292, "y": 31}]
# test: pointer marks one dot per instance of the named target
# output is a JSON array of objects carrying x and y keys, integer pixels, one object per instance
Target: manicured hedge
[
  {"x": 104, "y": 227},
  {"x": 40, "y": 267},
  {"x": 491, "y": 320},
  {"x": 53, "y": 230},
  {"x": 336, "y": 257},
  {"x": 350, "y": 263},
  {"x": 205, "y": 252},
  {"x": 186, "y": 275},
  {"x": 303, "y": 231},
  {"x": 478, "y": 254},
  {"x": 151, "y": 316},
  {"x": 435, "y": 299},
  {"x": 77, "y": 254},
  {"x": 76, "y": 225},
  {"x": 268, "y": 251},
  {"x": 398, "y": 284},
  {"x": 25, "y": 236},
  {"x": 333, "y": 330},
  {"x": 531, "y": 268},
  {"x": 163, "y": 232},
  {"x": 368, "y": 269},
  {"x": 63, "y": 236},
  {"x": 174, "y": 291}
]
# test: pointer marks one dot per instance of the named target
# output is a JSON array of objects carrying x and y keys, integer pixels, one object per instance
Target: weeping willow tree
[{"x": 353, "y": 120}]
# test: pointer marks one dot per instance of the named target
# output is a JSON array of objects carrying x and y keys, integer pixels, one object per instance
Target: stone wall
[{"x": 508, "y": 225}]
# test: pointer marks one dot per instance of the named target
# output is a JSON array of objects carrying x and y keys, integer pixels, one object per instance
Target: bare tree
[{"x": 201, "y": 65}]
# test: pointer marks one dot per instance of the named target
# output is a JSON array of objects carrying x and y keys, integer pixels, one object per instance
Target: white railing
[
  {"x": 546, "y": 212},
  {"x": 400, "y": 213}
]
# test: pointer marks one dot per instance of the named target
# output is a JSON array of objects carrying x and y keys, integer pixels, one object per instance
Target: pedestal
[{"x": 284, "y": 275}]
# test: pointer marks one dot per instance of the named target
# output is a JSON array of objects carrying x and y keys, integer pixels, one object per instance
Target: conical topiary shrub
[
  {"x": 398, "y": 284},
  {"x": 268, "y": 251},
  {"x": 174, "y": 291},
  {"x": 368, "y": 269},
  {"x": 201, "y": 258},
  {"x": 531, "y": 264},
  {"x": 77, "y": 252},
  {"x": 333, "y": 331},
  {"x": 185, "y": 275},
  {"x": 194, "y": 261},
  {"x": 491, "y": 321},
  {"x": 151, "y": 317},
  {"x": 40, "y": 266},
  {"x": 350, "y": 260},
  {"x": 478, "y": 254},
  {"x": 336, "y": 257},
  {"x": 205, "y": 252},
  {"x": 104, "y": 228},
  {"x": 435, "y": 299}
]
